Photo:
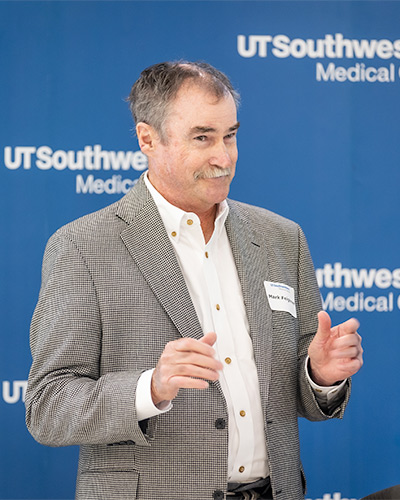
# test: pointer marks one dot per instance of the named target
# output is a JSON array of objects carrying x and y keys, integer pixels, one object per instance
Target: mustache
[{"x": 212, "y": 173}]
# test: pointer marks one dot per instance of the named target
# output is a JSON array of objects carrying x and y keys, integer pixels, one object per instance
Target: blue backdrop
[{"x": 318, "y": 143}]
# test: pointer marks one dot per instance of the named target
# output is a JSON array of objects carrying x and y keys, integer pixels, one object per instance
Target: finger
[
  {"x": 189, "y": 383},
  {"x": 194, "y": 359},
  {"x": 351, "y": 366},
  {"x": 177, "y": 354},
  {"x": 171, "y": 358},
  {"x": 194, "y": 371},
  {"x": 324, "y": 324},
  {"x": 167, "y": 392},
  {"x": 168, "y": 379},
  {"x": 347, "y": 341},
  {"x": 192, "y": 345},
  {"x": 351, "y": 352},
  {"x": 209, "y": 338},
  {"x": 348, "y": 327}
]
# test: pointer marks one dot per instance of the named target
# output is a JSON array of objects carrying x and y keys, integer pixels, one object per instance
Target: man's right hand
[{"x": 184, "y": 364}]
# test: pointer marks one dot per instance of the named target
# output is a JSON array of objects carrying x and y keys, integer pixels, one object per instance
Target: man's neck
[
  {"x": 207, "y": 217},
  {"x": 207, "y": 222}
]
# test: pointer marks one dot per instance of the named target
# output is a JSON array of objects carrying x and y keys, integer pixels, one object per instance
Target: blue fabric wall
[{"x": 318, "y": 143}]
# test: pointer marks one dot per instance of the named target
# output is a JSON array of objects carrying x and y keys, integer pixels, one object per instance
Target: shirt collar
[{"x": 173, "y": 216}]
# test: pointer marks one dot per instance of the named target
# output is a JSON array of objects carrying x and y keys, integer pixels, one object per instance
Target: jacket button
[
  {"x": 220, "y": 424},
  {"x": 218, "y": 495}
]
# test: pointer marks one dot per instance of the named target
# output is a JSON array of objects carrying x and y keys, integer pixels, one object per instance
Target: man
[{"x": 171, "y": 335}]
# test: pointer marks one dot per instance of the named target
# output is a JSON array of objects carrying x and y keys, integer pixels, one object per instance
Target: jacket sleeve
[
  {"x": 309, "y": 304},
  {"x": 68, "y": 401}
]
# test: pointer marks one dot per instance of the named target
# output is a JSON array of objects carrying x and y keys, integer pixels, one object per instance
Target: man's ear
[{"x": 147, "y": 138}]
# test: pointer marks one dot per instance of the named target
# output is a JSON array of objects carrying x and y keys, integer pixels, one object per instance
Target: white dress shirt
[{"x": 213, "y": 283}]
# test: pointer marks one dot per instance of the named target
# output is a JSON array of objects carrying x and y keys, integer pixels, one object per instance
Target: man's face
[{"x": 195, "y": 167}]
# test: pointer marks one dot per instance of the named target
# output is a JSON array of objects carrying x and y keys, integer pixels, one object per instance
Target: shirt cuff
[
  {"x": 145, "y": 408},
  {"x": 328, "y": 393}
]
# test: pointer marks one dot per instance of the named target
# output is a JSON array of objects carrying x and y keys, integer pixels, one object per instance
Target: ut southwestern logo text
[
  {"x": 90, "y": 158},
  {"x": 13, "y": 392},
  {"x": 330, "y": 47},
  {"x": 361, "y": 290}
]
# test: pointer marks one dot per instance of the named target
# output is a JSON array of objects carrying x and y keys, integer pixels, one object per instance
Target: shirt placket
[{"x": 232, "y": 382}]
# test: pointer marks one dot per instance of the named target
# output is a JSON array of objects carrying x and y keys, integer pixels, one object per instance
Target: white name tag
[{"x": 280, "y": 297}]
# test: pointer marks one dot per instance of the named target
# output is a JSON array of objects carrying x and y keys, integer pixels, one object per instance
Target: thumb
[
  {"x": 209, "y": 338},
  {"x": 324, "y": 325}
]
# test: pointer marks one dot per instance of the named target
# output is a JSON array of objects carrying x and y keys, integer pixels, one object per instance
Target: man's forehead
[
  {"x": 201, "y": 111},
  {"x": 200, "y": 92}
]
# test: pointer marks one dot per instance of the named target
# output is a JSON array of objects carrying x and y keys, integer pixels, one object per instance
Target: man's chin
[
  {"x": 218, "y": 184},
  {"x": 218, "y": 190}
]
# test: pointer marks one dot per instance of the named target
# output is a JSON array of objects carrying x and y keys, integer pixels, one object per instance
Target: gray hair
[{"x": 159, "y": 84}]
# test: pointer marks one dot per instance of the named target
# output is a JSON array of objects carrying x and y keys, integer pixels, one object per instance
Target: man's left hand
[{"x": 335, "y": 353}]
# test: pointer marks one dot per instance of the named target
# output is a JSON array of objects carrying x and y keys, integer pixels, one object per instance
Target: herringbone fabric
[{"x": 112, "y": 296}]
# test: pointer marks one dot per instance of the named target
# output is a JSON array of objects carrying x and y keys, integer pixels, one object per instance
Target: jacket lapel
[
  {"x": 252, "y": 265},
  {"x": 147, "y": 241}
]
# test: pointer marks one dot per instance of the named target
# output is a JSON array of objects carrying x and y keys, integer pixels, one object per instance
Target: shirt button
[
  {"x": 206, "y": 255},
  {"x": 228, "y": 361},
  {"x": 241, "y": 468},
  {"x": 217, "y": 307},
  {"x": 242, "y": 413},
  {"x": 173, "y": 233},
  {"x": 189, "y": 222}
]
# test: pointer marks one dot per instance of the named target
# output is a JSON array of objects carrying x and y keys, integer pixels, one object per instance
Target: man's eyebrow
[
  {"x": 205, "y": 130},
  {"x": 202, "y": 130},
  {"x": 235, "y": 127}
]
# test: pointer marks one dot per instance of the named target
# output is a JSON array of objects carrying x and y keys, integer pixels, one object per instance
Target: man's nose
[{"x": 221, "y": 156}]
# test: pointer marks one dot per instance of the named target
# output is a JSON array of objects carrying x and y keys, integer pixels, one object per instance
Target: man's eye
[
  {"x": 201, "y": 138},
  {"x": 231, "y": 135}
]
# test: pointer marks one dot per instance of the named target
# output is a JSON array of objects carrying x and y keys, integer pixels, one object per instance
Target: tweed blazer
[{"x": 112, "y": 296}]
